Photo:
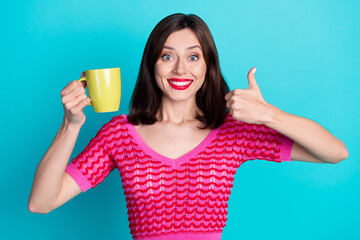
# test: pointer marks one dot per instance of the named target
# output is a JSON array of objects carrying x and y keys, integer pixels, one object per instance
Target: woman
[{"x": 179, "y": 148}]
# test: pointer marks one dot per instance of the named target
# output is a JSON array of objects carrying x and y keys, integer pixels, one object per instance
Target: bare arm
[
  {"x": 312, "y": 142},
  {"x": 49, "y": 175},
  {"x": 52, "y": 186}
]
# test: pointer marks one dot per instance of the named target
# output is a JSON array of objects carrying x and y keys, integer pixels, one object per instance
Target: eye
[
  {"x": 193, "y": 57},
  {"x": 166, "y": 57}
]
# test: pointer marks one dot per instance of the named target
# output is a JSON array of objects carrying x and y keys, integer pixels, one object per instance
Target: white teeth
[{"x": 180, "y": 83}]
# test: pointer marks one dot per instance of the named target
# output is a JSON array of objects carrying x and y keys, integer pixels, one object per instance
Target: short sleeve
[
  {"x": 94, "y": 163},
  {"x": 261, "y": 142}
]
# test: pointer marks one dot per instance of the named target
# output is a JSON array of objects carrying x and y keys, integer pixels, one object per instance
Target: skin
[
  {"x": 312, "y": 142},
  {"x": 181, "y": 57},
  {"x": 176, "y": 133}
]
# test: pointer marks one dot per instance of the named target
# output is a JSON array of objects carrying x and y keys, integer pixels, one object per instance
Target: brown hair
[{"x": 210, "y": 98}]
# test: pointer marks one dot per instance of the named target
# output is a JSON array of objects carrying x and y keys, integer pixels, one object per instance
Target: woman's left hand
[{"x": 248, "y": 105}]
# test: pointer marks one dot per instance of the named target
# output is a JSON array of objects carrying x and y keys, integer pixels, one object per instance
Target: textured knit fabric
[{"x": 183, "y": 198}]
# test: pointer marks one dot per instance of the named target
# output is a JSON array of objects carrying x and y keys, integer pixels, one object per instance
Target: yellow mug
[{"x": 104, "y": 88}]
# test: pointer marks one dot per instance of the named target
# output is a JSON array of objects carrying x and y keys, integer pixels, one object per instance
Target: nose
[{"x": 180, "y": 67}]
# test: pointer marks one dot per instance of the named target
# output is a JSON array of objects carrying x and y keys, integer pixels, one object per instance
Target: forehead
[{"x": 182, "y": 39}]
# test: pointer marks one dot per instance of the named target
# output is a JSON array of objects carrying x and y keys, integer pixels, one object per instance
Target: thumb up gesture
[{"x": 248, "y": 105}]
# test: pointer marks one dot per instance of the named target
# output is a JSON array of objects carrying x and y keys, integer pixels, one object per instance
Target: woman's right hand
[{"x": 74, "y": 100}]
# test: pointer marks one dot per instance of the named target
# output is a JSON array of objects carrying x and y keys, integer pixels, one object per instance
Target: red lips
[
  {"x": 180, "y": 79},
  {"x": 174, "y": 83}
]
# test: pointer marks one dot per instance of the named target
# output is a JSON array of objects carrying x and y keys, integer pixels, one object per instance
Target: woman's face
[{"x": 181, "y": 68}]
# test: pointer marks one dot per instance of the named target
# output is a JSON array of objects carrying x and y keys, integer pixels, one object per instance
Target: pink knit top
[{"x": 183, "y": 198}]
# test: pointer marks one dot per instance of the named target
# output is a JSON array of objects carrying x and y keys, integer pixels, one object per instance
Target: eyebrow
[{"x": 192, "y": 47}]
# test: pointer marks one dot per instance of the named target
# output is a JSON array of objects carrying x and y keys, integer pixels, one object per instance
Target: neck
[{"x": 177, "y": 112}]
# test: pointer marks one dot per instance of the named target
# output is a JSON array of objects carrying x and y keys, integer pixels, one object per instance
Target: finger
[
  {"x": 229, "y": 103},
  {"x": 231, "y": 112},
  {"x": 84, "y": 84},
  {"x": 70, "y": 87},
  {"x": 80, "y": 106},
  {"x": 235, "y": 92},
  {"x": 251, "y": 79},
  {"x": 73, "y": 94},
  {"x": 74, "y": 102},
  {"x": 229, "y": 95}
]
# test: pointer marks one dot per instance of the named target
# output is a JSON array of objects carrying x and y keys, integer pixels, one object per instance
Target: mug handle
[{"x": 81, "y": 80}]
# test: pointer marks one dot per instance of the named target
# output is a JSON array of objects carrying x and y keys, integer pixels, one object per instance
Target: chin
[{"x": 182, "y": 98}]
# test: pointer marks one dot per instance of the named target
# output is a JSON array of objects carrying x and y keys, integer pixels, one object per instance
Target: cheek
[
  {"x": 162, "y": 69},
  {"x": 158, "y": 71},
  {"x": 201, "y": 71},
  {"x": 161, "y": 73}
]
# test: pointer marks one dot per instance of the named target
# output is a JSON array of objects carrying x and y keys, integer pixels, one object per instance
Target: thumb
[{"x": 251, "y": 79}]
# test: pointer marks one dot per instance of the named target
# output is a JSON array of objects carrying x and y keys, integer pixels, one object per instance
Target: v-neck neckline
[{"x": 173, "y": 162}]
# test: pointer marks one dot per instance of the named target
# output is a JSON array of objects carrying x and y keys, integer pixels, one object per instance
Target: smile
[{"x": 180, "y": 84}]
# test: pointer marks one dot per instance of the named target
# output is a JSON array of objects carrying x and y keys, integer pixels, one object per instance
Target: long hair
[{"x": 210, "y": 98}]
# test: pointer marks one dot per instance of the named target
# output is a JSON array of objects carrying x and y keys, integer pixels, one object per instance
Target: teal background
[{"x": 307, "y": 55}]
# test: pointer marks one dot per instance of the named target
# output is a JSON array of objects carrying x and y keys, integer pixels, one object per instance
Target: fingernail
[{"x": 254, "y": 70}]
